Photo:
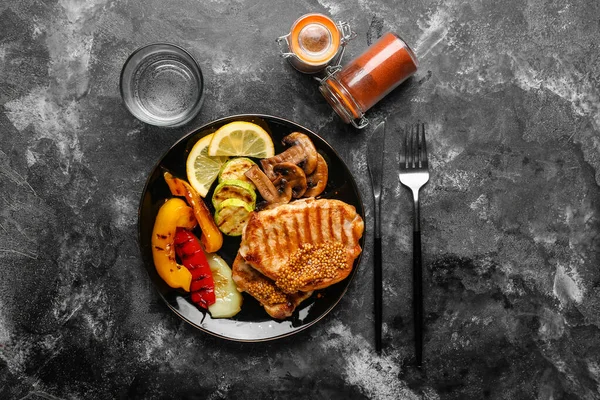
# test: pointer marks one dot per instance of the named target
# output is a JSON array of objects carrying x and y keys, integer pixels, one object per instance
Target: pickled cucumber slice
[
  {"x": 228, "y": 299},
  {"x": 232, "y": 216},
  {"x": 234, "y": 189}
]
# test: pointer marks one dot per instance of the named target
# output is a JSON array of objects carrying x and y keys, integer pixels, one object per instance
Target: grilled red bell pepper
[{"x": 192, "y": 256}]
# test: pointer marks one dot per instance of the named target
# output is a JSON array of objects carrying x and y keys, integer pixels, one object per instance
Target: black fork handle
[
  {"x": 418, "y": 298},
  {"x": 378, "y": 292}
]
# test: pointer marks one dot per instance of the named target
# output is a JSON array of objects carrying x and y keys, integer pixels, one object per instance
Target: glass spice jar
[
  {"x": 358, "y": 86},
  {"x": 314, "y": 42}
]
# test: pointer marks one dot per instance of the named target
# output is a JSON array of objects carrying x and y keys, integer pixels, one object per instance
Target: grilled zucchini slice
[
  {"x": 235, "y": 169},
  {"x": 234, "y": 189},
  {"x": 232, "y": 216}
]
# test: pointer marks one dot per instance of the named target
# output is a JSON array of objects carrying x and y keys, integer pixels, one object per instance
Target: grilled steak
[
  {"x": 304, "y": 245},
  {"x": 278, "y": 305}
]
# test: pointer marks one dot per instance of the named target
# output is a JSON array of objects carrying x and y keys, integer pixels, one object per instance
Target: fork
[{"x": 414, "y": 173}]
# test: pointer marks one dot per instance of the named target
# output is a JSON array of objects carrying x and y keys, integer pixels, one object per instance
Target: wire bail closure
[{"x": 284, "y": 51}]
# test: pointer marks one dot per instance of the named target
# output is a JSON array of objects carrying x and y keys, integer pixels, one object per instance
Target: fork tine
[
  {"x": 407, "y": 145},
  {"x": 424, "y": 159},
  {"x": 414, "y": 153},
  {"x": 414, "y": 137},
  {"x": 403, "y": 150}
]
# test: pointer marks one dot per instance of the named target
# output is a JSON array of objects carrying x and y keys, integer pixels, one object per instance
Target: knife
[{"x": 375, "y": 151}]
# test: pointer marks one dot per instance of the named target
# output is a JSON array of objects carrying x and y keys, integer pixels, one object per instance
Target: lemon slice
[
  {"x": 241, "y": 138},
  {"x": 202, "y": 170}
]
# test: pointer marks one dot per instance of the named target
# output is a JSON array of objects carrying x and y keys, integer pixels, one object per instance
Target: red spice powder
[{"x": 371, "y": 76}]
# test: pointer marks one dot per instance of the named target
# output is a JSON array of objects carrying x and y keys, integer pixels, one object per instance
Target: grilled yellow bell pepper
[
  {"x": 211, "y": 238},
  {"x": 174, "y": 213}
]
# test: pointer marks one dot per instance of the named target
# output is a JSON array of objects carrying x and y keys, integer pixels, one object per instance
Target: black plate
[{"x": 252, "y": 323}]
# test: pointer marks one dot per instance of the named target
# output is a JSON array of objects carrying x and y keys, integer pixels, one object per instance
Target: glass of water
[{"x": 162, "y": 85}]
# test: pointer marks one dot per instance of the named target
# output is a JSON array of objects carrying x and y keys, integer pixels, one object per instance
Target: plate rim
[{"x": 186, "y": 136}]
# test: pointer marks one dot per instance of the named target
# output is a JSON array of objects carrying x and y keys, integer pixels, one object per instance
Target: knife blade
[
  {"x": 375, "y": 150},
  {"x": 375, "y": 157}
]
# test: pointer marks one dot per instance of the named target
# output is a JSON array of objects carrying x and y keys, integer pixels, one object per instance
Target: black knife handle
[
  {"x": 418, "y": 297},
  {"x": 378, "y": 286}
]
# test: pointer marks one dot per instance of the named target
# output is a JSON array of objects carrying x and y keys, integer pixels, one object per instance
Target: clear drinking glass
[{"x": 162, "y": 85}]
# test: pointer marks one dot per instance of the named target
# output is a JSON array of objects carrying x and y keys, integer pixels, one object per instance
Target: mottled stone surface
[{"x": 511, "y": 216}]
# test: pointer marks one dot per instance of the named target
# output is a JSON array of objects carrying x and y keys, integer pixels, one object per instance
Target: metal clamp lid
[
  {"x": 330, "y": 71},
  {"x": 347, "y": 33},
  {"x": 335, "y": 98},
  {"x": 282, "y": 52},
  {"x": 362, "y": 122}
]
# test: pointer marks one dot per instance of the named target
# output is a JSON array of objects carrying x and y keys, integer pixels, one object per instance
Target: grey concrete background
[{"x": 510, "y": 91}]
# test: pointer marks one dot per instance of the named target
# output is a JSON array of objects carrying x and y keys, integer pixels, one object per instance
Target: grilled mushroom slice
[
  {"x": 282, "y": 193},
  {"x": 310, "y": 152},
  {"x": 317, "y": 181},
  {"x": 292, "y": 176},
  {"x": 302, "y": 153}
]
